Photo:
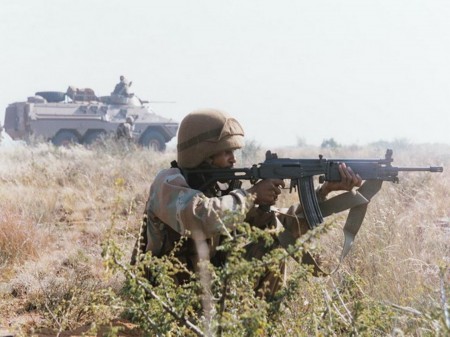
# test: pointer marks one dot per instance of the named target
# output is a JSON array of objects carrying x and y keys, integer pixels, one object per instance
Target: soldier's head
[
  {"x": 122, "y": 78},
  {"x": 130, "y": 120},
  {"x": 204, "y": 133}
]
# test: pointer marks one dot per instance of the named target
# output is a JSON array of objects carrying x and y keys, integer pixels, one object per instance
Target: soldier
[
  {"x": 121, "y": 88},
  {"x": 175, "y": 207},
  {"x": 125, "y": 130}
]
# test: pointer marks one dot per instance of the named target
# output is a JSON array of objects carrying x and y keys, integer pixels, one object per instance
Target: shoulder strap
[{"x": 357, "y": 202}]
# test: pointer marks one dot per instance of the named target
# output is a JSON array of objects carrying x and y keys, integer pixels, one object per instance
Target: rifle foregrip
[{"x": 310, "y": 204}]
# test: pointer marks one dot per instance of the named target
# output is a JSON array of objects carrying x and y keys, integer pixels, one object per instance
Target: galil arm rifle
[{"x": 301, "y": 173}]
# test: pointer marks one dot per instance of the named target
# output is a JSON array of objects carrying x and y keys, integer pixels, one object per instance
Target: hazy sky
[{"x": 355, "y": 70}]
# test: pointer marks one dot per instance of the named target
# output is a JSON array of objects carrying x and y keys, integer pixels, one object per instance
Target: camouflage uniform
[
  {"x": 121, "y": 88},
  {"x": 175, "y": 208}
]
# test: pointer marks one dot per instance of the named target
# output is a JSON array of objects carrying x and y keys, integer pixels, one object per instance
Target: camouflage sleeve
[{"x": 187, "y": 211}]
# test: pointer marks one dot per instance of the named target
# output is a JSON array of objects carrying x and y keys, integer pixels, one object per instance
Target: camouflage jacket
[
  {"x": 174, "y": 209},
  {"x": 186, "y": 211},
  {"x": 121, "y": 88}
]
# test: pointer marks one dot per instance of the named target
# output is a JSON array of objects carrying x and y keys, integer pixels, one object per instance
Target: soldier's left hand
[{"x": 349, "y": 180}]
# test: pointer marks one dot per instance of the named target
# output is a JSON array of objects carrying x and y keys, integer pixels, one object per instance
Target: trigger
[{"x": 293, "y": 185}]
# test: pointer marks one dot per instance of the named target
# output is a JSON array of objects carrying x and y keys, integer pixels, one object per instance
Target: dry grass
[{"x": 59, "y": 205}]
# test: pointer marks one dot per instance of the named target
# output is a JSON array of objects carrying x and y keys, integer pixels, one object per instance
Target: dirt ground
[{"x": 126, "y": 329}]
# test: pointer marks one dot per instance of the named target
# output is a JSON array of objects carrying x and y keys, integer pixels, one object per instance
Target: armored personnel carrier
[{"x": 79, "y": 116}]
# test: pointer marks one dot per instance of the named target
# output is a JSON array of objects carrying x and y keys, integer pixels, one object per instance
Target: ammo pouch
[
  {"x": 160, "y": 239},
  {"x": 156, "y": 235},
  {"x": 152, "y": 237}
]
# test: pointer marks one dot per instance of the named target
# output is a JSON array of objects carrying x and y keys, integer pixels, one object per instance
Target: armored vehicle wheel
[
  {"x": 153, "y": 140},
  {"x": 92, "y": 137},
  {"x": 65, "y": 138}
]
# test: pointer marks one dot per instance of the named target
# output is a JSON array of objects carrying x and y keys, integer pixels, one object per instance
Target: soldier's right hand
[{"x": 266, "y": 191}]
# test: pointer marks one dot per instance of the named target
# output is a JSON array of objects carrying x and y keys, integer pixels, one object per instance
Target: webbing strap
[{"x": 357, "y": 202}]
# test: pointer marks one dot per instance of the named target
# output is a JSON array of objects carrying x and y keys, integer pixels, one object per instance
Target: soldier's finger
[
  {"x": 355, "y": 178},
  {"x": 358, "y": 180},
  {"x": 278, "y": 182},
  {"x": 277, "y": 190},
  {"x": 345, "y": 174}
]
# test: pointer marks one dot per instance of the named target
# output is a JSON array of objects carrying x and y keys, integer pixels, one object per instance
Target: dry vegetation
[{"x": 58, "y": 205}]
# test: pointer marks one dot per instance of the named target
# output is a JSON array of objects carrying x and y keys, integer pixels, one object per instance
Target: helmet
[
  {"x": 130, "y": 120},
  {"x": 205, "y": 132},
  {"x": 122, "y": 77}
]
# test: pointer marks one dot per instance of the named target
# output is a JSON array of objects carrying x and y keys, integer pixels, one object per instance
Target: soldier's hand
[
  {"x": 349, "y": 179},
  {"x": 266, "y": 191}
]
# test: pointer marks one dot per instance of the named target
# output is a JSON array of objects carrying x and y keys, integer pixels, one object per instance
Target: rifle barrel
[{"x": 425, "y": 169}]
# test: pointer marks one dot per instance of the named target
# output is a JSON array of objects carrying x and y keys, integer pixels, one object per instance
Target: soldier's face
[{"x": 223, "y": 159}]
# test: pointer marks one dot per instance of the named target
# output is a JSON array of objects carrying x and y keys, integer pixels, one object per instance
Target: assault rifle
[{"x": 301, "y": 173}]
